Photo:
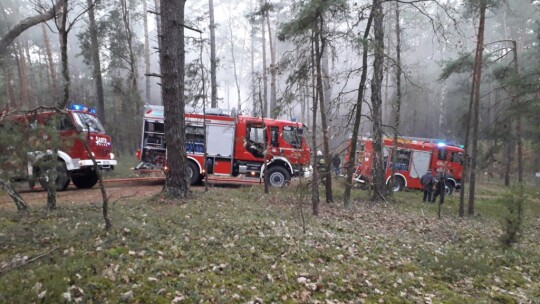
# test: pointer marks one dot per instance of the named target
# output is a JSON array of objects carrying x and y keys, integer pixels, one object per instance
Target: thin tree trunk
[
  {"x": 23, "y": 81},
  {"x": 146, "y": 52},
  {"x": 253, "y": 76},
  {"x": 96, "y": 62},
  {"x": 397, "y": 107},
  {"x": 9, "y": 87},
  {"x": 63, "y": 36},
  {"x": 133, "y": 75},
  {"x": 213, "y": 60},
  {"x": 320, "y": 45},
  {"x": 465, "y": 170},
  {"x": 516, "y": 103},
  {"x": 264, "y": 71},
  {"x": 236, "y": 80},
  {"x": 6, "y": 185},
  {"x": 315, "y": 177},
  {"x": 50, "y": 62},
  {"x": 476, "y": 106},
  {"x": 31, "y": 77},
  {"x": 273, "y": 70},
  {"x": 158, "y": 30},
  {"x": 357, "y": 116}
]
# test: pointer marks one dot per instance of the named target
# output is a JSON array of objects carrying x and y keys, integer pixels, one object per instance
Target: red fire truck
[
  {"x": 74, "y": 164},
  {"x": 415, "y": 156},
  {"x": 235, "y": 147}
]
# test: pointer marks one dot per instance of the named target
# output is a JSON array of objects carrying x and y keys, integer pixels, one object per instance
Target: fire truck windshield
[{"x": 87, "y": 122}]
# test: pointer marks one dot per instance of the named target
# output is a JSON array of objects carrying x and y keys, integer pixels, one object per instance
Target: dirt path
[{"x": 115, "y": 191}]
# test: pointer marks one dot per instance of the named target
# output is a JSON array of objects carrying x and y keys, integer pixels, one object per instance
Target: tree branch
[{"x": 26, "y": 24}]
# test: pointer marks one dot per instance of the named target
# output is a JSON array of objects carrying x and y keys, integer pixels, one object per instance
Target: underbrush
[{"x": 239, "y": 245}]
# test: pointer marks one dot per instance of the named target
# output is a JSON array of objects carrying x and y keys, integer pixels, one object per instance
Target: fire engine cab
[
  {"x": 415, "y": 156},
  {"x": 235, "y": 145},
  {"x": 74, "y": 164}
]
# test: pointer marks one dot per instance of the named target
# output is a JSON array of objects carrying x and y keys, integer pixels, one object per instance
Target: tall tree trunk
[
  {"x": 357, "y": 115},
  {"x": 172, "y": 70},
  {"x": 158, "y": 30},
  {"x": 146, "y": 53},
  {"x": 476, "y": 106},
  {"x": 133, "y": 75},
  {"x": 516, "y": 102},
  {"x": 63, "y": 36},
  {"x": 96, "y": 62},
  {"x": 213, "y": 60},
  {"x": 465, "y": 171},
  {"x": 273, "y": 70},
  {"x": 315, "y": 177},
  {"x": 264, "y": 71},
  {"x": 235, "y": 71},
  {"x": 397, "y": 106},
  {"x": 31, "y": 78},
  {"x": 50, "y": 62},
  {"x": 9, "y": 86},
  {"x": 23, "y": 80},
  {"x": 379, "y": 187},
  {"x": 253, "y": 76},
  {"x": 320, "y": 45}
]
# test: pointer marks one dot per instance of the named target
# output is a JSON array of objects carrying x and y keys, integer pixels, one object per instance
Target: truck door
[
  {"x": 220, "y": 145},
  {"x": 420, "y": 163}
]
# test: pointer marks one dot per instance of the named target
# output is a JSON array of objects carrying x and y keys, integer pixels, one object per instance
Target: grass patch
[{"x": 239, "y": 245}]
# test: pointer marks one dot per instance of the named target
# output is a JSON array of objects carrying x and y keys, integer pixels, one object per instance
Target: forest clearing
[
  {"x": 331, "y": 114},
  {"x": 238, "y": 245}
]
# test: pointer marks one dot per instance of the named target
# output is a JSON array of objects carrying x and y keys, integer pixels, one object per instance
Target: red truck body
[
  {"x": 74, "y": 162},
  {"x": 235, "y": 147},
  {"x": 414, "y": 158}
]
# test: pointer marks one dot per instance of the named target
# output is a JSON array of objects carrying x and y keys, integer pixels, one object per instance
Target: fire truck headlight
[{"x": 111, "y": 155}]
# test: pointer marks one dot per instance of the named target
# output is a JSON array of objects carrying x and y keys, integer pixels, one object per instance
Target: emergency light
[
  {"x": 82, "y": 108},
  {"x": 441, "y": 144}
]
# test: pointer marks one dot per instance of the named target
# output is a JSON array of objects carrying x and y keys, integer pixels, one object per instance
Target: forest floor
[{"x": 239, "y": 245}]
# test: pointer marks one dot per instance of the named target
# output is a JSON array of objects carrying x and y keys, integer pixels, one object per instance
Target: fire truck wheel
[
  {"x": 278, "y": 177},
  {"x": 397, "y": 185},
  {"x": 85, "y": 180},
  {"x": 62, "y": 177},
  {"x": 193, "y": 173}
]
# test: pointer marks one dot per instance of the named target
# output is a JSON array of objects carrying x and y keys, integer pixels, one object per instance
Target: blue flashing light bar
[
  {"x": 76, "y": 107},
  {"x": 441, "y": 144}
]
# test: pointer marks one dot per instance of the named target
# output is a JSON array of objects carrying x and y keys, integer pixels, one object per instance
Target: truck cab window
[
  {"x": 293, "y": 136},
  {"x": 255, "y": 139},
  {"x": 442, "y": 154}
]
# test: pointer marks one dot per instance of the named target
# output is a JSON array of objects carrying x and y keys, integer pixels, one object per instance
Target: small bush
[{"x": 514, "y": 201}]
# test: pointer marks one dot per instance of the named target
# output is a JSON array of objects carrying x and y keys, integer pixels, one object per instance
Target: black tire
[
  {"x": 397, "y": 185},
  {"x": 62, "y": 176},
  {"x": 85, "y": 179},
  {"x": 193, "y": 173},
  {"x": 278, "y": 177}
]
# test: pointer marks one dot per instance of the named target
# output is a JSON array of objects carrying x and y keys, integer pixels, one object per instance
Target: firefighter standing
[
  {"x": 427, "y": 181},
  {"x": 439, "y": 187},
  {"x": 336, "y": 161}
]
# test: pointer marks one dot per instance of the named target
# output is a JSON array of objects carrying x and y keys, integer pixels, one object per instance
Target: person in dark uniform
[{"x": 427, "y": 181}]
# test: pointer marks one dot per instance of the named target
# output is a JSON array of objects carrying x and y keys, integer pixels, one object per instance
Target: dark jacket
[
  {"x": 336, "y": 161},
  {"x": 427, "y": 181}
]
